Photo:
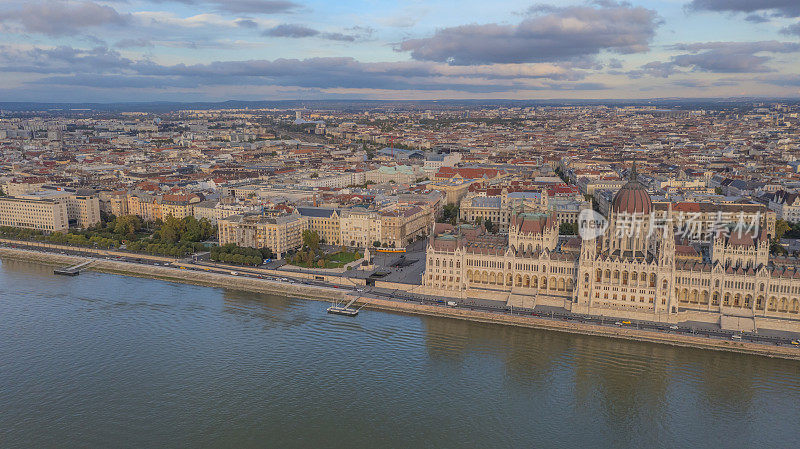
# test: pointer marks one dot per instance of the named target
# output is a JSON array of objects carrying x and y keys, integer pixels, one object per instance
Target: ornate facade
[{"x": 638, "y": 271}]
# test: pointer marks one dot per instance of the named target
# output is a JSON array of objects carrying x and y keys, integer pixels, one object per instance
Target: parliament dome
[{"x": 632, "y": 198}]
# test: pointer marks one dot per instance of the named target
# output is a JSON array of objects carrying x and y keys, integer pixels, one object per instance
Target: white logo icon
[{"x": 591, "y": 224}]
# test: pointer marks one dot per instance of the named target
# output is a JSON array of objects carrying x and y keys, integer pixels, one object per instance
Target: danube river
[{"x": 110, "y": 361}]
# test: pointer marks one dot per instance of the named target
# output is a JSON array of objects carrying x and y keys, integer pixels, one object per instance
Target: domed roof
[{"x": 632, "y": 198}]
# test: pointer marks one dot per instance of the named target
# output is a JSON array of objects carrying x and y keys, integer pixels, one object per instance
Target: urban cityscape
[{"x": 523, "y": 218}]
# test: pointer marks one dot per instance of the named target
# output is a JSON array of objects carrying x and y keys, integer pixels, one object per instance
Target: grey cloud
[
  {"x": 244, "y": 6},
  {"x": 301, "y": 31},
  {"x": 116, "y": 81},
  {"x": 133, "y": 43},
  {"x": 723, "y": 62},
  {"x": 741, "y": 47},
  {"x": 656, "y": 68},
  {"x": 104, "y": 68},
  {"x": 255, "y": 6},
  {"x": 57, "y": 18},
  {"x": 781, "y": 80},
  {"x": 719, "y": 57},
  {"x": 291, "y": 30},
  {"x": 315, "y": 81},
  {"x": 731, "y": 57},
  {"x": 555, "y": 34},
  {"x": 62, "y": 60},
  {"x": 246, "y": 23},
  {"x": 614, "y": 63},
  {"x": 756, "y": 18},
  {"x": 781, "y": 8},
  {"x": 339, "y": 37},
  {"x": 792, "y": 29}
]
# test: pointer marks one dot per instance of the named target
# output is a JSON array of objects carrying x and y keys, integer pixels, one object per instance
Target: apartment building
[
  {"x": 360, "y": 227},
  {"x": 500, "y": 206},
  {"x": 325, "y": 222},
  {"x": 336, "y": 181},
  {"x": 785, "y": 204},
  {"x": 400, "y": 174},
  {"x": 214, "y": 211},
  {"x": 401, "y": 226},
  {"x": 43, "y": 214},
  {"x": 42, "y": 209},
  {"x": 280, "y": 233}
]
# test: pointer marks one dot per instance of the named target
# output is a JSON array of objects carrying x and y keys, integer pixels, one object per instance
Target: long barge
[{"x": 346, "y": 311}]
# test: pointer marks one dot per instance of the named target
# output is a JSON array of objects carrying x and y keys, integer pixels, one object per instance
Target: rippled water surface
[{"x": 110, "y": 361}]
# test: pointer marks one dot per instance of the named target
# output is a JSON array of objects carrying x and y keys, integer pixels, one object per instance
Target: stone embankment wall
[
  {"x": 179, "y": 275},
  {"x": 626, "y": 333}
]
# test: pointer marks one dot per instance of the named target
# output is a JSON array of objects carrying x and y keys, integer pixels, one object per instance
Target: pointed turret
[{"x": 666, "y": 255}]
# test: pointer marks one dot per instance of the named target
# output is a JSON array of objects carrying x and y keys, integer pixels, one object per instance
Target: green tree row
[{"x": 239, "y": 255}]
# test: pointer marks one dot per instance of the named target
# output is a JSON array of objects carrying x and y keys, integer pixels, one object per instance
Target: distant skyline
[{"x": 215, "y": 50}]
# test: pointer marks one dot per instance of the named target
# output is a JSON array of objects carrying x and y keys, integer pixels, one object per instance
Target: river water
[{"x": 111, "y": 361}]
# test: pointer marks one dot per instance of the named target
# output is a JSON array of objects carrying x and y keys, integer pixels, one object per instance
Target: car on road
[
  {"x": 736, "y": 337},
  {"x": 795, "y": 342},
  {"x": 674, "y": 327}
]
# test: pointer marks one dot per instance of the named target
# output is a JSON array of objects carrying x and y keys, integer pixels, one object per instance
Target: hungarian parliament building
[{"x": 642, "y": 272}]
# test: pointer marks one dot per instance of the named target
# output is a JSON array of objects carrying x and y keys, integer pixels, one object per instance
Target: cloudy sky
[{"x": 187, "y": 50}]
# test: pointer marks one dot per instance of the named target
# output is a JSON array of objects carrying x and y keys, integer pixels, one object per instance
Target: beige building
[
  {"x": 400, "y": 174},
  {"x": 214, "y": 210},
  {"x": 325, "y": 222},
  {"x": 118, "y": 204},
  {"x": 280, "y": 234},
  {"x": 703, "y": 219},
  {"x": 151, "y": 207},
  {"x": 360, "y": 227},
  {"x": 144, "y": 205},
  {"x": 499, "y": 209},
  {"x": 83, "y": 208},
  {"x": 453, "y": 190},
  {"x": 43, "y": 214},
  {"x": 42, "y": 209},
  {"x": 23, "y": 187},
  {"x": 179, "y": 206},
  {"x": 401, "y": 226}
]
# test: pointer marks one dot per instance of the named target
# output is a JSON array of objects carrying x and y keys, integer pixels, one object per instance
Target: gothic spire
[{"x": 633, "y": 175}]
